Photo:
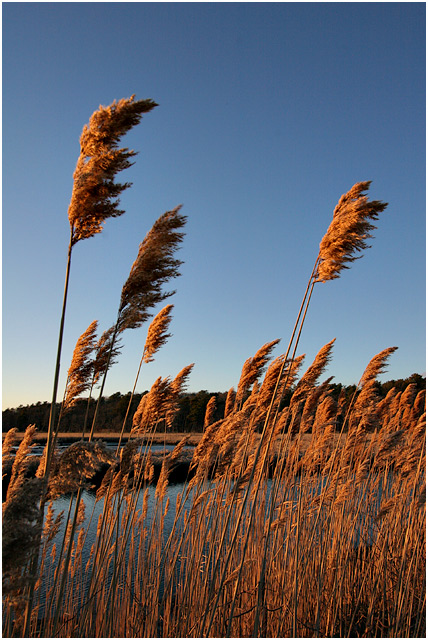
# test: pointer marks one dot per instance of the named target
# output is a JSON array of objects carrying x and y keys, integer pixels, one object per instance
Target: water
[{"x": 111, "y": 445}]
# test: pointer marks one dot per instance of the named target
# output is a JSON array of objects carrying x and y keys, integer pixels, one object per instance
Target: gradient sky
[{"x": 268, "y": 113}]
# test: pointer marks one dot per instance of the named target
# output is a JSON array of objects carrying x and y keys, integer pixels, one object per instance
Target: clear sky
[{"x": 268, "y": 113}]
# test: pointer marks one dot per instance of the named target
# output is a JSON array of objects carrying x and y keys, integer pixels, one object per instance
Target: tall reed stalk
[{"x": 93, "y": 200}]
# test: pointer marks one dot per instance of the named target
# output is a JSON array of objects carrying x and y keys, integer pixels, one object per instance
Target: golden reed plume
[
  {"x": 157, "y": 333},
  {"x": 252, "y": 370},
  {"x": 210, "y": 412},
  {"x": 94, "y": 196},
  {"x": 80, "y": 372},
  {"x": 155, "y": 264},
  {"x": 105, "y": 354},
  {"x": 348, "y": 231}
]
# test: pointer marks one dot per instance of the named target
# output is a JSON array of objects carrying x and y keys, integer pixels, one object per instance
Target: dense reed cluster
[
  {"x": 331, "y": 544},
  {"x": 302, "y": 515}
]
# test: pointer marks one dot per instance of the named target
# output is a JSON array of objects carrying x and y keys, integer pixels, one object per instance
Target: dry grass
[{"x": 332, "y": 545}]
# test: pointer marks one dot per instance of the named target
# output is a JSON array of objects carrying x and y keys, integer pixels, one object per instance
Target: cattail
[
  {"x": 230, "y": 401},
  {"x": 210, "y": 411},
  {"x": 94, "y": 197},
  {"x": 153, "y": 266},
  {"x": 80, "y": 371},
  {"x": 348, "y": 231},
  {"x": 252, "y": 370},
  {"x": 157, "y": 334}
]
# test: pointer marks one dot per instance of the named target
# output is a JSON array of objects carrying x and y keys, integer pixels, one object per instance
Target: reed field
[{"x": 301, "y": 515}]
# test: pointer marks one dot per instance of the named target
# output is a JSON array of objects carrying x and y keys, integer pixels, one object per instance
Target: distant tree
[{"x": 190, "y": 414}]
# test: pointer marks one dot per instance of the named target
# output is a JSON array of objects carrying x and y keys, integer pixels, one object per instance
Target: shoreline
[{"x": 74, "y": 436}]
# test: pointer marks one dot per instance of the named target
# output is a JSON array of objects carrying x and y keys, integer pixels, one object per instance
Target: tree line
[{"x": 189, "y": 417}]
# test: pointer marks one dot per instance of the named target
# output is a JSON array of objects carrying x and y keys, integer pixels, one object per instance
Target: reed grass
[
  {"x": 302, "y": 517},
  {"x": 343, "y": 554}
]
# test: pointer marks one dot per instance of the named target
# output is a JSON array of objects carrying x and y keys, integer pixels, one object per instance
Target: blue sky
[{"x": 268, "y": 113}]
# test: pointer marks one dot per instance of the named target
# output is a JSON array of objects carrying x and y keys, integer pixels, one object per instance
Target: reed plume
[
  {"x": 21, "y": 530},
  {"x": 20, "y": 463},
  {"x": 94, "y": 196},
  {"x": 348, "y": 231},
  {"x": 309, "y": 379},
  {"x": 106, "y": 353},
  {"x": 376, "y": 366},
  {"x": 154, "y": 266},
  {"x": 8, "y": 442},
  {"x": 230, "y": 402},
  {"x": 153, "y": 407},
  {"x": 210, "y": 411},
  {"x": 325, "y": 414},
  {"x": 252, "y": 370},
  {"x": 282, "y": 373},
  {"x": 178, "y": 386},
  {"x": 346, "y": 235},
  {"x": 160, "y": 403},
  {"x": 363, "y": 410},
  {"x": 75, "y": 466},
  {"x": 21, "y": 526},
  {"x": 313, "y": 400},
  {"x": 80, "y": 372},
  {"x": 156, "y": 337},
  {"x": 139, "y": 412},
  {"x": 157, "y": 333}
]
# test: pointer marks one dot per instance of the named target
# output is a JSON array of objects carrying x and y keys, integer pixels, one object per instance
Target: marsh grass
[
  {"x": 344, "y": 548},
  {"x": 300, "y": 519}
]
